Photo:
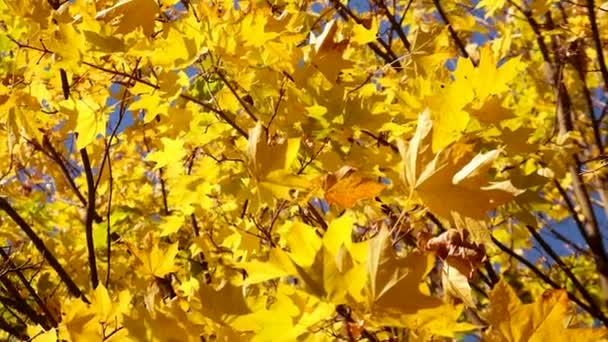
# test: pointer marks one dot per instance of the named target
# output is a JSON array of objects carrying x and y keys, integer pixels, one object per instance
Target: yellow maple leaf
[
  {"x": 173, "y": 152},
  {"x": 452, "y": 180},
  {"x": 157, "y": 262},
  {"x": 131, "y": 14},
  {"x": 19, "y": 121},
  {"x": 265, "y": 157},
  {"x": 254, "y": 32},
  {"x": 390, "y": 277},
  {"x": 475, "y": 90},
  {"x": 175, "y": 50},
  {"x": 487, "y": 78},
  {"x": 456, "y": 284},
  {"x": 326, "y": 266},
  {"x": 223, "y": 303},
  {"x": 38, "y": 334},
  {"x": 328, "y": 54},
  {"x": 169, "y": 324},
  {"x": 364, "y": 35},
  {"x": 269, "y": 164},
  {"x": 490, "y": 6},
  {"x": 107, "y": 309},
  {"x": 542, "y": 320},
  {"x": 278, "y": 265},
  {"x": 171, "y": 224},
  {"x": 447, "y": 107},
  {"x": 68, "y": 43},
  {"x": 78, "y": 322},
  {"x": 90, "y": 119}
]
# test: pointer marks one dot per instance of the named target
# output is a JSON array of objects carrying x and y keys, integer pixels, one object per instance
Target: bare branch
[
  {"x": 595, "y": 33},
  {"x": 41, "y": 247},
  {"x": 49, "y": 316},
  {"x": 459, "y": 43},
  {"x": 547, "y": 280},
  {"x": 577, "y": 284},
  {"x": 89, "y": 216}
]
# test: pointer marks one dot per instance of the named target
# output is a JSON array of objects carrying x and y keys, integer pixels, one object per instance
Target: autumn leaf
[
  {"x": 108, "y": 309},
  {"x": 270, "y": 163},
  {"x": 41, "y": 335},
  {"x": 543, "y": 320},
  {"x": 90, "y": 119},
  {"x": 456, "y": 284},
  {"x": 157, "y": 262},
  {"x": 78, "y": 322},
  {"x": 453, "y": 247},
  {"x": 491, "y": 6},
  {"x": 390, "y": 276},
  {"x": 363, "y": 34},
  {"x": 328, "y": 54},
  {"x": 453, "y": 180},
  {"x": 347, "y": 186},
  {"x": 246, "y": 159},
  {"x": 131, "y": 14},
  {"x": 173, "y": 151}
]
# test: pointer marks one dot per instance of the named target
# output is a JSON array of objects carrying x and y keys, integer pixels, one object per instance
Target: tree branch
[
  {"x": 20, "y": 304},
  {"x": 564, "y": 118},
  {"x": 41, "y": 247},
  {"x": 163, "y": 190},
  {"x": 577, "y": 284},
  {"x": 29, "y": 288},
  {"x": 89, "y": 216},
  {"x": 17, "y": 331},
  {"x": 461, "y": 46},
  {"x": 394, "y": 24},
  {"x": 56, "y": 157},
  {"x": 223, "y": 115},
  {"x": 233, "y": 91},
  {"x": 548, "y": 280},
  {"x": 595, "y": 33},
  {"x": 109, "y": 227},
  {"x": 389, "y": 56}
]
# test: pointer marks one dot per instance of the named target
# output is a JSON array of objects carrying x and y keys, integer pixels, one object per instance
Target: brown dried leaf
[{"x": 453, "y": 247}]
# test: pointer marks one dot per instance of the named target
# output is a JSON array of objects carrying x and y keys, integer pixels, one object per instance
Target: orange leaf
[{"x": 350, "y": 187}]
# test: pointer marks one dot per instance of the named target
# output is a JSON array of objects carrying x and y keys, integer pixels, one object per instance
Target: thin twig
[
  {"x": 577, "y": 284},
  {"x": 19, "y": 303},
  {"x": 381, "y": 140},
  {"x": 163, "y": 190},
  {"x": 315, "y": 156},
  {"x": 461, "y": 46},
  {"x": 56, "y": 157},
  {"x": 276, "y": 107},
  {"x": 223, "y": 115},
  {"x": 109, "y": 225},
  {"x": 121, "y": 114},
  {"x": 547, "y": 280},
  {"x": 185, "y": 96},
  {"x": 29, "y": 288},
  {"x": 395, "y": 25},
  {"x": 244, "y": 104},
  {"x": 389, "y": 56}
]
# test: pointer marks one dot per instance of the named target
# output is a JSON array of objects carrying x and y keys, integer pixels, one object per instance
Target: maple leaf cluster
[{"x": 303, "y": 170}]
